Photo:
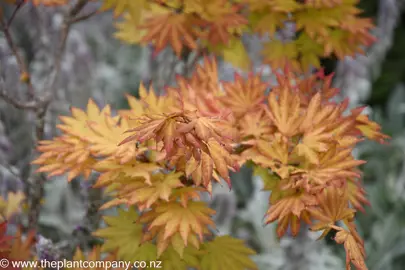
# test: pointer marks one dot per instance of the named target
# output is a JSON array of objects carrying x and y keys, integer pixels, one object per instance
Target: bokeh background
[{"x": 100, "y": 67}]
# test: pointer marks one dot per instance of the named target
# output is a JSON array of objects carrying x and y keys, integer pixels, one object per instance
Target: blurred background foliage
[{"x": 100, "y": 67}]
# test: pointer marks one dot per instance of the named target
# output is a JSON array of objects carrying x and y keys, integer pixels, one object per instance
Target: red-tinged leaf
[
  {"x": 284, "y": 111},
  {"x": 355, "y": 252},
  {"x": 217, "y": 155},
  {"x": 332, "y": 207},
  {"x": 5, "y": 240},
  {"x": 291, "y": 204},
  {"x": 207, "y": 168},
  {"x": 174, "y": 29}
]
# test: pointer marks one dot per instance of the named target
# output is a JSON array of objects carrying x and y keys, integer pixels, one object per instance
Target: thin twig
[
  {"x": 24, "y": 75},
  {"x": 17, "y": 8},
  {"x": 84, "y": 17},
  {"x": 67, "y": 23},
  {"x": 23, "y": 105}
]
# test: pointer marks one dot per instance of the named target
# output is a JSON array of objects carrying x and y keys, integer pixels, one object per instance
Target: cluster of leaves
[
  {"x": 323, "y": 28},
  {"x": 158, "y": 156},
  {"x": 20, "y": 246}
]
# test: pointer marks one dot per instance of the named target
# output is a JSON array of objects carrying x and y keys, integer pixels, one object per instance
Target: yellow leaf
[
  {"x": 11, "y": 206},
  {"x": 124, "y": 234},
  {"x": 172, "y": 217},
  {"x": 265, "y": 21},
  {"x": 284, "y": 111},
  {"x": 171, "y": 260},
  {"x": 127, "y": 30},
  {"x": 279, "y": 54},
  {"x": 144, "y": 195},
  {"x": 270, "y": 180},
  {"x": 135, "y": 7},
  {"x": 225, "y": 252},
  {"x": 235, "y": 53}
]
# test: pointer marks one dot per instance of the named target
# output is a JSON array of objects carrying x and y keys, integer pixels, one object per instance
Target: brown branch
[
  {"x": 22, "y": 105},
  {"x": 37, "y": 186},
  {"x": 67, "y": 23},
  {"x": 85, "y": 16},
  {"x": 24, "y": 75},
  {"x": 35, "y": 183},
  {"x": 17, "y": 8}
]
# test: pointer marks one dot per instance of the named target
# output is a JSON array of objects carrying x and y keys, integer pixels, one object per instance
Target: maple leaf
[
  {"x": 284, "y": 111},
  {"x": 186, "y": 194},
  {"x": 274, "y": 155},
  {"x": 112, "y": 171},
  {"x": 95, "y": 255},
  {"x": 172, "y": 28},
  {"x": 278, "y": 54},
  {"x": 149, "y": 103},
  {"x": 356, "y": 194},
  {"x": 222, "y": 160},
  {"x": 312, "y": 143},
  {"x": 312, "y": 27},
  {"x": 310, "y": 52},
  {"x": 64, "y": 154},
  {"x": 235, "y": 53},
  {"x": 333, "y": 206},
  {"x": 266, "y": 21},
  {"x": 159, "y": 126},
  {"x": 337, "y": 43},
  {"x": 124, "y": 235},
  {"x": 11, "y": 206},
  {"x": 101, "y": 131},
  {"x": 21, "y": 247},
  {"x": 206, "y": 76},
  {"x": 294, "y": 203},
  {"x": 171, "y": 259},
  {"x": 334, "y": 163},
  {"x": 354, "y": 247},
  {"x": 222, "y": 29},
  {"x": 127, "y": 30},
  {"x": 370, "y": 129},
  {"x": 201, "y": 171},
  {"x": 309, "y": 87},
  {"x": 244, "y": 95},
  {"x": 227, "y": 252},
  {"x": 172, "y": 217},
  {"x": 143, "y": 195},
  {"x": 256, "y": 124}
]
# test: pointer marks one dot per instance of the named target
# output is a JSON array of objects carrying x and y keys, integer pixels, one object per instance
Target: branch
[
  {"x": 85, "y": 16},
  {"x": 24, "y": 75},
  {"x": 22, "y": 105},
  {"x": 38, "y": 181},
  {"x": 67, "y": 23}
]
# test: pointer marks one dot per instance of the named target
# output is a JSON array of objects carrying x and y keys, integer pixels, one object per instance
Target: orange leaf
[{"x": 170, "y": 28}]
